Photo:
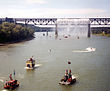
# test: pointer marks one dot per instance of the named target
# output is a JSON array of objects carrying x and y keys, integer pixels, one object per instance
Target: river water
[{"x": 92, "y": 69}]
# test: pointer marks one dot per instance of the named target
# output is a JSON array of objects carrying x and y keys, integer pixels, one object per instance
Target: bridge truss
[
  {"x": 99, "y": 21},
  {"x": 53, "y": 21},
  {"x": 37, "y": 21}
]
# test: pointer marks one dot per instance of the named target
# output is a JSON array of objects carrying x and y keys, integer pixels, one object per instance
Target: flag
[
  {"x": 14, "y": 72},
  {"x": 69, "y": 62}
]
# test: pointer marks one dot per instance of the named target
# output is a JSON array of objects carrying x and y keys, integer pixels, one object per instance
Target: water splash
[
  {"x": 1, "y": 80},
  {"x": 76, "y": 75},
  {"x": 73, "y": 27},
  {"x": 38, "y": 65},
  {"x": 5, "y": 90}
]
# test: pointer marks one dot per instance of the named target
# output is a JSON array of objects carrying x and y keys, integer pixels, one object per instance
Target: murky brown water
[{"x": 91, "y": 68}]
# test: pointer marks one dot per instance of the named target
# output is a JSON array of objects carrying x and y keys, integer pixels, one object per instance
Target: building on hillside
[{"x": 9, "y": 20}]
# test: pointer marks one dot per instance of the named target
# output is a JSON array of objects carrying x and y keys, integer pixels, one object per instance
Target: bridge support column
[
  {"x": 56, "y": 31},
  {"x": 25, "y": 22},
  {"x": 47, "y": 32},
  {"x": 89, "y": 32}
]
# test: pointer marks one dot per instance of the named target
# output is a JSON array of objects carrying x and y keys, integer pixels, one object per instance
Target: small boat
[
  {"x": 30, "y": 64},
  {"x": 69, "y": 81},
  {"x": 90, "y": 49},
  {"x": 65, "y": 36},
  {"x": 12, "y": 84}
]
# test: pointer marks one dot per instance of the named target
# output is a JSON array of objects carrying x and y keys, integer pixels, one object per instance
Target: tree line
[{"x": 11, "y": 32}]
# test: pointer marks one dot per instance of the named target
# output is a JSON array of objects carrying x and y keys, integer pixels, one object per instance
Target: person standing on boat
[
  {"x": 70, "y": 75},
  {"x": 6, "y": 82},
  {"x": 66, "y": 76},
  {"x": 10, "y": 77},
  {"x": 31, "y": 59}
]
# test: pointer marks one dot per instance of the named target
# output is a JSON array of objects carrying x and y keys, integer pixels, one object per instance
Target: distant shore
[{"x": 107, "y": 35}]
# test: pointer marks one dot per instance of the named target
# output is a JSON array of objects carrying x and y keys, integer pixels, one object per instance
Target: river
[{"x": 92, "y": 69}]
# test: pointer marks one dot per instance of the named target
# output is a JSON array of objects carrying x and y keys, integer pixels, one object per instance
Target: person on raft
[
  {"x": 10, "y": 77},
  {"x": 67, "y": 77},
  {"x": 70, "y": 74},
  {"x": 31, "y": 59}
]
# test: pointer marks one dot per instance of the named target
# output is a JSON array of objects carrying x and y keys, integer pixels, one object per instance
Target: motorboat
[
  {"x": 30, "y": 64},
  {"x": 70, "y": 81},
  {"x": 12, "y": 84},
  {"x": 90, "y": 49}
]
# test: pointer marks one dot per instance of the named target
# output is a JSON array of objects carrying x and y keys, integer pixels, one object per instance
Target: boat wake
[
  {"x": 37, "y": 65},
  {"x": 1, "y": 80},
  {"x": 81, "y": 51},
  {"x": 5, "y": 90},
  {"x": 76, "y": 75},
  {"x": 89, "y": 49}
]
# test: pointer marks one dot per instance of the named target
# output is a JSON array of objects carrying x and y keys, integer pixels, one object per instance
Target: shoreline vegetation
[
  {"x": 101, "y": 31},
  {"x": 13, "y": 33},
  {"x": 100, "y": 34}
]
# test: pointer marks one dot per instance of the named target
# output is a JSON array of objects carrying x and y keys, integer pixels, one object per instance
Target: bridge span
[{"x": 54, "y": 21}]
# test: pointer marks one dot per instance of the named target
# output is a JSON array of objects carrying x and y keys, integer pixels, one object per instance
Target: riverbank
[
  {"x": 18, "y": 41},
  {"x": 107, "y": 35},
  {"x": 13, "y": 33}
]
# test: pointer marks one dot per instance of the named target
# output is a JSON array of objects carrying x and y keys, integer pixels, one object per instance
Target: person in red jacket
[{"x": 10, "y": 77}]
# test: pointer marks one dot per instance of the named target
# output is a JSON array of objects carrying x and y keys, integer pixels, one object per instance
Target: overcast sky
[{"x": 54, "y": 8}]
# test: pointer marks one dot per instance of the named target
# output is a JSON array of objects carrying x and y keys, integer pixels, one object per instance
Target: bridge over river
[{"x": 63, "y": 21}]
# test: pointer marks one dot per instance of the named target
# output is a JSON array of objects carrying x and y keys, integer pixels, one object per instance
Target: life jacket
[{"x": 69, "y": 79}]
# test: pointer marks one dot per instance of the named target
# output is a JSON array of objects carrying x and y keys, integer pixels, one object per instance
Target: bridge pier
[
  {"x": 47, "y": 33},
  {"x": 25, "y": 22},
  {"x": 56, "y": 31},
  {"x": 89, "y": 32}
]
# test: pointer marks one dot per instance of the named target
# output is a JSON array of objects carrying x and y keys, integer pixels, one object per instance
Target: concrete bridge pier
[
  {"x": 56, "y": 30},
  {"x": 47, "y": 32},
  {"x": 89, "y": 32},
  {"x": 25, "y": 22}
]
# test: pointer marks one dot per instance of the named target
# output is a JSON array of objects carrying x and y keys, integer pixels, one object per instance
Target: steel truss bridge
[{"x": 53, "y": 21}]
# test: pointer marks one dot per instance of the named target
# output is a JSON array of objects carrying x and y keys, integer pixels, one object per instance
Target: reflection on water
[{"x": 92, "y": 69}]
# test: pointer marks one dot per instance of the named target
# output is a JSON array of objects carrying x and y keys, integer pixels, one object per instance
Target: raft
[
  {"x": 30, "y": 64},
  {"x": 73, "y": 80},
  {"x": 10, "y": 85}
]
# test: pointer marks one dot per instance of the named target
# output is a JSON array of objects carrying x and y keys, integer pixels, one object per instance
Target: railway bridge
[{"x": 54, "y": 21}]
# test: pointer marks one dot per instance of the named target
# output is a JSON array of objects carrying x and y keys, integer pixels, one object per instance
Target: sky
[{"x": 54, "y": 8}]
